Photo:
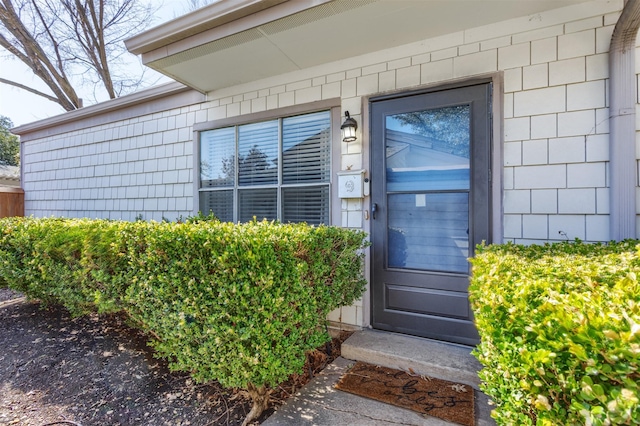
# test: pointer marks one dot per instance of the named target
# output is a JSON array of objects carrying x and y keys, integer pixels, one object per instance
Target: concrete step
[{"x": 421, "y": 356}]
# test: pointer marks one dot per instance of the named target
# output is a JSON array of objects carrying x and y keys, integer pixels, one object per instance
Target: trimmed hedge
[
  {"x": 560, "y": 332},
  {"x": 237, "y": 303},
  {"x": 242, "y": 303},
  {"x": 78, "y": 263}
]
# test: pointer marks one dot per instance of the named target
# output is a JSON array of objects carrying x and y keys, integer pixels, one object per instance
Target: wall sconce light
[{"x": 349, "y": 128}]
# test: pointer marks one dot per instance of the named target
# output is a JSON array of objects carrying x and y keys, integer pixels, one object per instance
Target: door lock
[{"x": 374, "y": 209}]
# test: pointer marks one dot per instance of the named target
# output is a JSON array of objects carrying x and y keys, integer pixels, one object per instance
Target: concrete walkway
[{"x": 319, "y": 403}]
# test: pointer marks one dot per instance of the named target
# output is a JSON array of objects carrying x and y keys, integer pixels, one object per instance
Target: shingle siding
[{"x": 114, "y": 171}]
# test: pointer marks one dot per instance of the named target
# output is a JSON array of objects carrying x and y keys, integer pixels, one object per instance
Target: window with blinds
[{"x": 276, "y": 170}]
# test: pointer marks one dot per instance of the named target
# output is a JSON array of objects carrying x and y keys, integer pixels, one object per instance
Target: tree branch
[
  {"x": 52, "y": 40},
  {"x": 92, "y": 24},
  {"x": 29, "y": 89},
  {"x": 69, "y": 41},
  {"x": 37, "y": 59}
]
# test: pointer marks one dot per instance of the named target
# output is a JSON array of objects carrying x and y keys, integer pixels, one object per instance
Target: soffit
[{"x": 298, "y": 34}]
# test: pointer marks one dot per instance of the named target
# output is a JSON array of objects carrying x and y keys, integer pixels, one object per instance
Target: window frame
[{"x": 331, "y": 105}]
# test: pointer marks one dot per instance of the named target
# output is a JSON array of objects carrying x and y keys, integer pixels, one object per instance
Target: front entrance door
[{"x": 430, "y": 207}]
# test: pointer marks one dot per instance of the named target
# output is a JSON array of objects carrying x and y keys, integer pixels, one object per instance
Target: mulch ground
[{"x": 95, "y": 370}]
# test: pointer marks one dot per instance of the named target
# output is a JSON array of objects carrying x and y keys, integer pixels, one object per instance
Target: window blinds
[
  {"x": 258, "y": 153},
  {"x": 275, "y": 170},
  {"x": 306, "y": 142}
]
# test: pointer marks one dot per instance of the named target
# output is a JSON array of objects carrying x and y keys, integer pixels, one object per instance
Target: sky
[{"x": 23, "y": 107}]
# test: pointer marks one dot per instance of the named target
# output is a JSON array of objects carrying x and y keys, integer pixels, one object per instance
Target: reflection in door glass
[
  {"x": 428, "y": 150},
  {"x": 427, "y": 164}
]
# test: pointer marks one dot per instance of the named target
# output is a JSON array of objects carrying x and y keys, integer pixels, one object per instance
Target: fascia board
[
  {"x": 137, "y": 98},
  {"x": 196, "y": 22}
]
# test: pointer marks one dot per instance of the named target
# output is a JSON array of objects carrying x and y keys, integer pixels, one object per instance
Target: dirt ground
[{"x": 97, "y": 371}]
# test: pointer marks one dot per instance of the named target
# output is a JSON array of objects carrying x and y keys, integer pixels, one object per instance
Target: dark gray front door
[{"x": 431, "y": 196}]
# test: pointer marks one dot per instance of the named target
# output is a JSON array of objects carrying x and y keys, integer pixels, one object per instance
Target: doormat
[{"x": 449, "y": 401}]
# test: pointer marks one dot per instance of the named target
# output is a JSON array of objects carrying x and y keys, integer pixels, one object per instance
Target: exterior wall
[
  {"x": 555, "y": 137},
  {"x": 556, "y": 132},
  {"x": 125, "y": 169},
  {"x": 555, "y": 110},
  {"x": 554, "y": 142}
]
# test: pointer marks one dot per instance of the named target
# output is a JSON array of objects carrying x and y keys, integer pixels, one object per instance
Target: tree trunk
[{"x": 260, "y": 398}]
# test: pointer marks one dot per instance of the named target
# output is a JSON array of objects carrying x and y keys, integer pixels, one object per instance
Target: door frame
[{"x": 496, "y": 159}]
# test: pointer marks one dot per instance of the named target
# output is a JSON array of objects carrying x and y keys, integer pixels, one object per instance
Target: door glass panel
[
  {"x": 429, "y": 231},
  {"x": 428, "y": 150},
  {"x": 427, "y": 164}
]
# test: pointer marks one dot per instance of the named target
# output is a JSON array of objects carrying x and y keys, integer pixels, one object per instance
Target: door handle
[{"x": 374, "y": 209}]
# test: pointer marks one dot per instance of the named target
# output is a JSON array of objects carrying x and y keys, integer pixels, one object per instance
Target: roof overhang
[
  {"x": 237, "y": 41},
  {"x": 147, "y": 101}
]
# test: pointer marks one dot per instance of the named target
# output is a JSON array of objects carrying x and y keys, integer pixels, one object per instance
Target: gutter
[{"x": 622, "y": 121}]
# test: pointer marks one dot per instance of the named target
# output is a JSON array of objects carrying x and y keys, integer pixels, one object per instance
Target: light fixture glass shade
[{"x": 349, "y": 128}]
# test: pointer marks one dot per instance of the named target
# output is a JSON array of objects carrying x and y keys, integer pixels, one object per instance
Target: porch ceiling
[{"x": 236, "y": 41}]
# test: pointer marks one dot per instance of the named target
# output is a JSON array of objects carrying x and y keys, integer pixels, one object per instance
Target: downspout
[{"x": 622, "y": 123}]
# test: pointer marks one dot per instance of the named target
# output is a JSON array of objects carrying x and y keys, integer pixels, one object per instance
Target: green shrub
[
  {"x": 78, "y": 263},
  {"x": 12, "y": 253},
  {"x": 27, "y": 266},
  {"x": 237, "y": 303},
  {"x": 242, "y": 303},
  {"x": 560, "y": 332}
]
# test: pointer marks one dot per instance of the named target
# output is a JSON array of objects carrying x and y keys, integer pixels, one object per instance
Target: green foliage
[
  {"x": 9, "y": 144},
  {"x": 560, "y": 332},
  {"x": 79, "y": 263},
  {"x": 242, "y": 303},
  {"x": 237, "y": 303}
]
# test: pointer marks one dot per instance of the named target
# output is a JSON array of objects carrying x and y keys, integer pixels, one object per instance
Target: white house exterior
[{"x": 531, "y": 78}]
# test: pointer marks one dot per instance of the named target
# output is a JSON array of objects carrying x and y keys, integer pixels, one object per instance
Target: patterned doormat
[{"x": 449, "y": 401}]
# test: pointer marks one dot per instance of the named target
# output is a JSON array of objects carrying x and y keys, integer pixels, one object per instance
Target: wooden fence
[{"x": 11, "y": 201}]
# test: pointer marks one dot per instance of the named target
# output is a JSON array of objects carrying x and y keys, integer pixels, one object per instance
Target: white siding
[{"x": 141, "y": 166}]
